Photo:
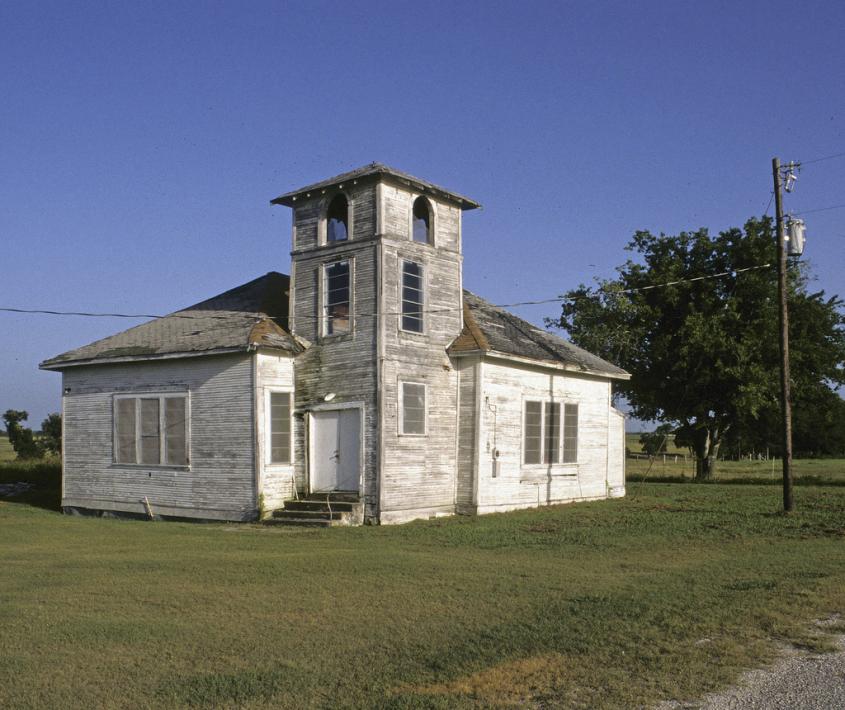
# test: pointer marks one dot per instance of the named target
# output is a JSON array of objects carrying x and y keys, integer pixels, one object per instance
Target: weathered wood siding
[
  {"x": 220, "y": 479},
  {"x": 468, "y": 373},
  {"x": 505, "y": 386},
  {"x": 616, "y": 454},
  {"x": 344, "y": 364},
  {"x": 274, "y": 373},
  {"x": 419, "y": 472}
]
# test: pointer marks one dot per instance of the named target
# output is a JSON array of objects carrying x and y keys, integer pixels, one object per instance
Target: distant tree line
[{"x": 28, "y": 445}]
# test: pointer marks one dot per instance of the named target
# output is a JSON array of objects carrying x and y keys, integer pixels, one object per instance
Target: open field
[
  {"x": 632, "y": 443},
  {"x": 7, "y": 453},
  {"x": 667, "y": 593},
  {"x": 803, "y": 470}
]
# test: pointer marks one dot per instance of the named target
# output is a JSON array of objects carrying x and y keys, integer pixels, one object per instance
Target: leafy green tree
[
  {"x": 21, "y": 438},
  {"x": 703, "y": 353},
  {"x": 51, "y": 434},
  {"x": 654, "y": 442}
]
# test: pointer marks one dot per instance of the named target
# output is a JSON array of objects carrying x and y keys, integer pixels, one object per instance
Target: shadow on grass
[
  {"x": 745, "y": 481},
  {"x": 44, "y": 479}
]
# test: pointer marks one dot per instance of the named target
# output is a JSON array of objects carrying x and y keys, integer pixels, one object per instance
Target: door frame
[{"x": 332, "y": 407}]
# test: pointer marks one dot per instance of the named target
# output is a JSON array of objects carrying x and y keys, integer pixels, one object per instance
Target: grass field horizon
[{"x": 667, "y": 593}]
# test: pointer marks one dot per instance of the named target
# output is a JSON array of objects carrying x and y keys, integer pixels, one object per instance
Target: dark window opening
[
  {"x": 337, "y": 220},
  {"x": 422, "y": 221}
]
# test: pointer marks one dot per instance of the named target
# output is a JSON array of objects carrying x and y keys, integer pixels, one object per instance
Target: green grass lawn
[{"x": 669, "y": 592}]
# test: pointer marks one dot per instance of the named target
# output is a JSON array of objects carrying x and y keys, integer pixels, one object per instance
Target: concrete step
[
  {"x": 321, "y": 505},
  {"x": 286, "y": 514},
  {"x": 301, "y": 522}
]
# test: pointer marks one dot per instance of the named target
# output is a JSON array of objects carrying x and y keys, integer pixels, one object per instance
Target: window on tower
[
  {"x": 422, "y": 221},
  {"x": 337, "y": 219}
]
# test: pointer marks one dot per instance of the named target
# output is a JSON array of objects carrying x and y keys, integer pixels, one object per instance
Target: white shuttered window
[
  {"x": 547, "y": 437},
  {"x": 151, "y": 429},
  {"x": 280, "y": 427}
]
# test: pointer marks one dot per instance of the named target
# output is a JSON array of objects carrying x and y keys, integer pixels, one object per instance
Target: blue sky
[{"x": 140, "y": 143}]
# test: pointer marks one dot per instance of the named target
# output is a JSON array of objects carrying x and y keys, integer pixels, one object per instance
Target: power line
[
  {"x": 825, "y": 157},
  {"x": 820, "y": 209},
  {"x": 536, "y": 302},
  {"x": 771, "y": 197}
]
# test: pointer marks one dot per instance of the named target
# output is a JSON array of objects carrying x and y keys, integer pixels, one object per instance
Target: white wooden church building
[{"x": 369, "y": 379}]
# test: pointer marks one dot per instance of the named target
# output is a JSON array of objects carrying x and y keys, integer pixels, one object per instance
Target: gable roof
[
  {"x": 490, "y": 329},
  {"x": 252, "y": 315},
  {"x": 379, "y": 170}
]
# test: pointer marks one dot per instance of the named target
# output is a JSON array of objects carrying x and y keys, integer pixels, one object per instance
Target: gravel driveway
[{"x": 798, "y": 681}]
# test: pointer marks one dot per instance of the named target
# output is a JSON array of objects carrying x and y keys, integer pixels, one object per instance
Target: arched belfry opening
[
  {"x": 337, "y": 219},
  {"x": 422, "y": 221}
]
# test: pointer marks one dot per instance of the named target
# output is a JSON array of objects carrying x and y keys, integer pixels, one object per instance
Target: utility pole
[{"x": 785, "y": 399}]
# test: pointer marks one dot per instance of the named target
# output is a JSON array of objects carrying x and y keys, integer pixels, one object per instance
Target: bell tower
[{"x": 376, "y": 292}]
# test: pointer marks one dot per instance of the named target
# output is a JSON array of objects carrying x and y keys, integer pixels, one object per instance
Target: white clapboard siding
[
  {"x": 274, "y": 373},
  {"x": 468, "y": 370},
  {"x": 616, "y": 454},
  {"x": 504, "y": 388},
  {"x": 419, "y": 472},
  {"x": 345, "y": 365},
  {"x": 218, "y": 483}
]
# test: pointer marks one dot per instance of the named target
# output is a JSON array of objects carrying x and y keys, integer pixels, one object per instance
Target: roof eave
[
  {"x": 564, "y": 366},
  {"x": 289, "y": 199},
  {"x": 64, "y": 364}
]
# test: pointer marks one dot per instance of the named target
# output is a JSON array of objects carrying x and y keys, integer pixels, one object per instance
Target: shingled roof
[
  {"x": 490, "y": 329},
  {"x": 243, "y": 318},
  {"x": 376, "y": 170}
]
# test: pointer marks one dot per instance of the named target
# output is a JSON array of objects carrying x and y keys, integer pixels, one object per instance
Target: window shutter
[
  {"x": 175, "y": 431},
  {"x": 533, "y": 433},
  {"x": 570, "y": 433},
  {"x": 280, "y": 427}
]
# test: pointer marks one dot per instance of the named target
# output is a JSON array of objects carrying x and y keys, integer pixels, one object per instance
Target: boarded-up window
[
  {"x": 413, "y": 408},
  {"x": 412, "y": 297},
  {"x": 533, "y": 432},
  {"x": 336, "y": 298},
  {"x": 279, "y": 427},
  {"x": 570, "y": 433},
  {"x": 151, "y": 430}
]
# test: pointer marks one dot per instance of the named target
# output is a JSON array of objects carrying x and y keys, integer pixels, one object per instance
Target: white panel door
[{"x": 335, "y": 450}]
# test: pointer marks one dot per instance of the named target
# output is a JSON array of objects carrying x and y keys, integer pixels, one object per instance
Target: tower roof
[{"x": 376, "y": 170}]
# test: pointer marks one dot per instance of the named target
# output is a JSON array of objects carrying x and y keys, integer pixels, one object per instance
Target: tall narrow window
[
  {"x": 337, "y": 220},
  {"x": 532, "y": 446},
  {"x": 570, "y": 433},
  {"x": 279, "y": 427},
  {"x": 175, "y": 433},
  {"x": 336, "y": 298},
  {"x": 412, "y": 297},
  {"x": 551, "y": 438},
  {"x": 413, "y": 408},
  {"x": 151, "y": 430},
  {"x": 125, "y": 451},
  {"x": 422, "y": 221}
]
